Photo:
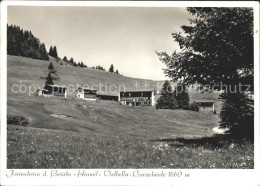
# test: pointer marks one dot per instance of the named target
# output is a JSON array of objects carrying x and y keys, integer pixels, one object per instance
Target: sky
[{"x": 126, "y": 37}]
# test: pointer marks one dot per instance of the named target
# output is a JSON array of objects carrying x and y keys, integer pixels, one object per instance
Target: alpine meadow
[{"x": 66, "y": 111}]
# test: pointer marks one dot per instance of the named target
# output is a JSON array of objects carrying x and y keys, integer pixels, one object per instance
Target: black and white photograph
[{"x": 130, "y": 88}]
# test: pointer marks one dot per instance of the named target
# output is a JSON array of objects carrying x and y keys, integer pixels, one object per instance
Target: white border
[{"x": 199, "y": 176}]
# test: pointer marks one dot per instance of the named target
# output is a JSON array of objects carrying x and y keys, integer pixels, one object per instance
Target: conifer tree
[
  {"x": 55, "y": 53},
  {"x": 167, "y": 99},
  {"x": 111, "y": 69},
  {"x": 71, "y": 61},
  {"x": 50, "y": 67},
  {"x": 43, "y": 52},
  {"x": 182, "y": 96},
  {"x": 65, "y": 59},
  {"x": 51, "y": 51},
  {"x": 49, "y": 80},
  {"x": 82, "y": 64},
  {"x": 237, "y": 115},
  {"x": 11, "y": 45},
  {"x": 216, "y": 53}
]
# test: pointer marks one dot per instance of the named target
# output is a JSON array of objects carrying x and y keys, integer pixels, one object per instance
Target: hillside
[
  {"x": 80, "y": 134},
  {"x": 32, "y": 71},
  {"x": 101, "y": 117},
  {"x": 22, "y": 70}
]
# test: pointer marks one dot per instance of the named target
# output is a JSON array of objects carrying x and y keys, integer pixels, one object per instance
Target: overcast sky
[{"x": 124, "y": 37}]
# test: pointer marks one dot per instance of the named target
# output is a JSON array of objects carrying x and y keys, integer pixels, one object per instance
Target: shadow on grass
[{"x": 216, "y": 141}]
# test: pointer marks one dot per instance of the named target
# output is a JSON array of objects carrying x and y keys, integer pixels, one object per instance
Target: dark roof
[
  {"x": 137, "y": 90},
  {"x": 107, "y": 93},
  {"x": 60, "y": 86}
]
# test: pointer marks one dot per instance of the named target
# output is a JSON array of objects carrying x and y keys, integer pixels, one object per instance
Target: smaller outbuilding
[
  {"x": 53, "y": 90},
  {"x": 206, "y": 105},
  {"x": 86, "y": 93},
  {"x": 108, "y": 96}
]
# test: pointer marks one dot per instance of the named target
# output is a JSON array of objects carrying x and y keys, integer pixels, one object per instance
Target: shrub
[
  {"x": 194, "y": 107},
  {"x": 17, "y": 120}
]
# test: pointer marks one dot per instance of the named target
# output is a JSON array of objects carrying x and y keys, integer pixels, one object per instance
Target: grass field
[
  {"x": 44, "y": 148},
  {"x": 72, "y": 133}
]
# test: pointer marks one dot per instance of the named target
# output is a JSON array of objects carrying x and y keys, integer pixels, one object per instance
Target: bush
[
  {"x": 194, "y": 107},
  {"x": 17, "y": 120}
]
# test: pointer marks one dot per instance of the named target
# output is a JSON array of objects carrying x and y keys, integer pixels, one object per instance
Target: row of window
[{"x": 130, "y": 94}]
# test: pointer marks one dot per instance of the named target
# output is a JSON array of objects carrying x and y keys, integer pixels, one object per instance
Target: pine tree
[
  {"x": 75, "y": 64},
  {"x": 49, "y": 80},
  {"x": 167, "y": 99},
  {"x": 81, "y": 64},
  {"x": 117, "y": 72},
  {"x": 43, "y": 52},
  {"x": 182, "y": 96},
  {"x": 212, "y": 56},
  {"x": 111, "y": 69},
  {"x": 11, "y": 45},
  {"x": 55, "y": 53},
  {"x": 237, "y": 114},
  {"x": 51, "y": 51},
  {"x": 50, "y": 67},
  {"x": 65, "y": 59},
  {"x": 71, "y": 61}
]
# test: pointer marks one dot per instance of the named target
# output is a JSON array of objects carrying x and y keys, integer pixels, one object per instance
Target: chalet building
[
  {"x": 206, "y": 105},
  {"x": 53, "y": 90},
  {"x": 87, "y": 94},
  {"x": 137, "y": 97},
  {"x": 108, "y": 96}
]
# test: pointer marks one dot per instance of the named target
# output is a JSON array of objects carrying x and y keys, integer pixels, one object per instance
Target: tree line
[
  {"x": 74, "y": 63},
  {"x": 99, "y": 68},
  {"x": 24, "y": 43},
  {"x": 111, "y": 69}
]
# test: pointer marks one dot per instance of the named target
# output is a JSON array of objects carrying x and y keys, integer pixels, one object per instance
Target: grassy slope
[
  {"x": 42, "y": 148},
  {"x": 29, "y": 71},
  {"x": 98, "y": 130},
  {"x": 102, "y": 117}
]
